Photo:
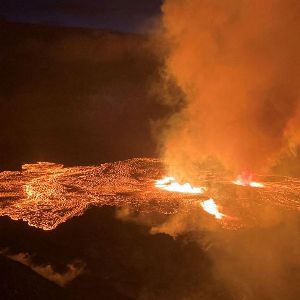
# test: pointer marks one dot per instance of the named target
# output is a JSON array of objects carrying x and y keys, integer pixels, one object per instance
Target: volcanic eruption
[{"x": 234, "y": 71}]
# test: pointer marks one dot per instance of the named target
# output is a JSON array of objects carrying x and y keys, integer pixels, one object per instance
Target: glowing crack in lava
[
  {"x": 47, "y": 194},
  {"x": 170, "y": 184},
  {"x": 245, "y": 179},
  {"x": 211, "y": 207}
]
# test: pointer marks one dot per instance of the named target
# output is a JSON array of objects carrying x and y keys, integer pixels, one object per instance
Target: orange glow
[
  {"x": 211, "y": 207},
  {"x": 245, "y": 179},
  {"x": 46, "y": 194},
  {"x": 169, "y": 184}
]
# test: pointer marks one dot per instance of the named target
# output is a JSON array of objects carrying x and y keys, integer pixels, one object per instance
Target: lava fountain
[
  {"x": 211, "y": 207},
  {"x": 245, "y": 179},
  {"x": 170, "y": 184}
]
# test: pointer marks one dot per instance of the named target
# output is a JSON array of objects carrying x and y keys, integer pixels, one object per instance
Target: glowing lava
[
  {"x": 211, "y": 207},
  {"x": 46, "y": 194},
  {"x": 245, "y": 179},
  {"x": 170, "y": 184}
]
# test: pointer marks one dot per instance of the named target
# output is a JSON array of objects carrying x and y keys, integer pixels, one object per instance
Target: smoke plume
[{"x": 237, "y": 63}]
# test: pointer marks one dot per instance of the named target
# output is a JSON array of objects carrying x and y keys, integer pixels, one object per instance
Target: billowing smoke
[{"x": 237, "y": 63}]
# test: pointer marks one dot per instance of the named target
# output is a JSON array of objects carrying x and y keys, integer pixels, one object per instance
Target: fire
[
  {"x": 170, "y": 184},
  {"x": 245, "y": 179},
  {"x": 211, "y": 207}
]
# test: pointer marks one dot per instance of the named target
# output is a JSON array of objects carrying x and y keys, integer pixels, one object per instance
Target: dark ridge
[{"x": 62, "y": 30}]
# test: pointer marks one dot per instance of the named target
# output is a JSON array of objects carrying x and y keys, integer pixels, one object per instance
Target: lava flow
[{"x": 47, "y": 194}]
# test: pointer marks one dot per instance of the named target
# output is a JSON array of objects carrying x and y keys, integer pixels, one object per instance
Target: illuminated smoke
[{"x": 237, "y": 63}]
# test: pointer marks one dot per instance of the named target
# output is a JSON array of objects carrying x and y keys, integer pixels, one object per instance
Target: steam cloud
[
  {"x": 47, "y": 271},
  {"x": 237, "y": 63}
]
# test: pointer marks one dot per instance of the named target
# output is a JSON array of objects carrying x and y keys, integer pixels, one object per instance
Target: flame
[
  {"x": 170, "y": 184},
  {"x": 245, "y": 179},
  {"x": 211, "y": 207}
]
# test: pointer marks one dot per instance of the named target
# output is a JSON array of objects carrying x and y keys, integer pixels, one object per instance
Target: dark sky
[{"x": 120, "y": 15}]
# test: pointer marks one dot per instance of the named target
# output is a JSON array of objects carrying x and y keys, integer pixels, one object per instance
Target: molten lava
[
  {"x": 211, "y": 207},
  {"x": 46, "y": 194},
  {"x": 245, "y": 179},
  {"x": 170, "y": 184}
]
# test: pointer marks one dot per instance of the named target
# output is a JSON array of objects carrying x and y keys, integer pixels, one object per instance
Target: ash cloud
[
  {"x": 237, "y": 63},
  {"x": 72, "y": 270}
]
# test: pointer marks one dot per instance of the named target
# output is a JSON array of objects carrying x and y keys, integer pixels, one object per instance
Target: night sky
[{"x": 119, "y": 15}]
